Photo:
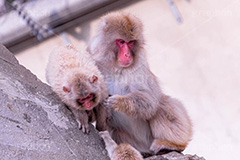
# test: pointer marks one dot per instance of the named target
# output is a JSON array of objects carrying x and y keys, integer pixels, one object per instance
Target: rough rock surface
[
  {"x": 35, "y": 125},
  {"x": 175, "y": 156}
]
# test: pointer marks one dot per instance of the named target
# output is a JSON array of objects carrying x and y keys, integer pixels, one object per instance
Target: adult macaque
[
  {"x": 141, "y": 114},
  {"x": 76, "y": 79}
]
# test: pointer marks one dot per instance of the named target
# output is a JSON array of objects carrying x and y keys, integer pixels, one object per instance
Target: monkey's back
[{"x": 66, "y": 61}]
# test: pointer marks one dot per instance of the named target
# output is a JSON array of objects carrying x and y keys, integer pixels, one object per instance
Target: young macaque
[
  {"x": 76, "y": 79},
  {"x": 122, "y": 151},
  {"x": 140, "y": 114}
]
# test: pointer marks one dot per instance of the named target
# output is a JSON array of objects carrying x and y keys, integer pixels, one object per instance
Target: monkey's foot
[
  {"x": 110, "y": 144},
  {"x": 159, "y": 145},
  {"x": 83, "y": 127},
  {"x": 105, "y": 136}
]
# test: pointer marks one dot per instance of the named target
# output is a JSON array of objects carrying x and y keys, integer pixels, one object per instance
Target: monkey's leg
[
  {"x": 82, "y": 119},
  {"x": 171, "y": 127},
  {"x": 163, "y": 145},
  {"x": 101, "y": 117},
  {"x": 109, "y": 142}
]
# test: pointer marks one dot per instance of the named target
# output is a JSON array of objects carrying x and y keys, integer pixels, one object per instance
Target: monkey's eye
[
  {"x": 131, "y": 43},
  {"x": 121, "y": 41}
]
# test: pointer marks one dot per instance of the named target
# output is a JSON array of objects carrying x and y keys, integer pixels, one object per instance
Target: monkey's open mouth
[{"x": 87, "y": 102}]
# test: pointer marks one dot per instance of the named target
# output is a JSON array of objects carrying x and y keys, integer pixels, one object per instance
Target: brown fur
[
  {"x": 140, "y": 114},
  {"x": 124, "y": 26},
  {"x": 170, "y": 145},
  {"x": 122, "y": 151},
  {"x": 73, "y": 75}
]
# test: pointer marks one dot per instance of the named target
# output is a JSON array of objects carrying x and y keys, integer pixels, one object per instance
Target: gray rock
[
  {"x": 175, "y": 156},
  {"x": 34, "y": 124}
]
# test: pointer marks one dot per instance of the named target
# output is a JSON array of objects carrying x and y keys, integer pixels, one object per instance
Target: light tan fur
[
  {"x": 73, "y": 70},
  {"x": 141, "y": 114},
  {"x": 122, "y": 151}
]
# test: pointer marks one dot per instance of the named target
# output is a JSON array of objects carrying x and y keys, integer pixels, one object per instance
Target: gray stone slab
[{"x": 34, "y": 124}]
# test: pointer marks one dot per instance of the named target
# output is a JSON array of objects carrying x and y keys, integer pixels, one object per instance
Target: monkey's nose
[
  {"x": 83, "y": 93},
  {"x": 128, "y": 54}
]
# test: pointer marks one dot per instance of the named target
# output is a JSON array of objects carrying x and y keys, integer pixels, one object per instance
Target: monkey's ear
[
  {"x": 93, "y": 78},
  {"x": 103, "y": 24},
  {"x": 66, "y": 89}
]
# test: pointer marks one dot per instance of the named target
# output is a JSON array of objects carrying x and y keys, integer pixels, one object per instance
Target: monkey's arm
[
  {"x": 135, "y": 104},
  {"x": 101, "y": 116}
]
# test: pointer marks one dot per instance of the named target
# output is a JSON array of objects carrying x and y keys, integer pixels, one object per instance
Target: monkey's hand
[
  {"x": 82, "y": 119},
  {"x": 115, "y": 102},
  {"x": 108, "y": 109},
  {"x": 135, "y": 104},
  {"x": 83, "y": 126},
  {"x": 83, "y": 123}
]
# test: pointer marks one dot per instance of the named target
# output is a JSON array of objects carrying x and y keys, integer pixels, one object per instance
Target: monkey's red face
[
  {"x": 125, "y": 54},
  {"x": 82, "y": 90}
]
